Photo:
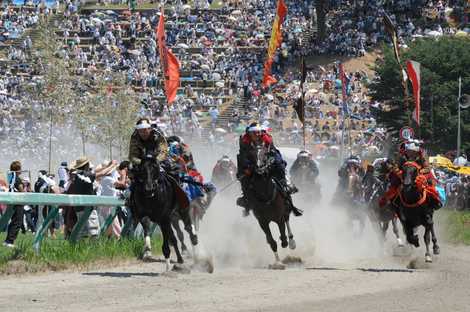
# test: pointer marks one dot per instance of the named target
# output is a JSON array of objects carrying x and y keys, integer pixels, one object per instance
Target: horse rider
[
  {"x": 254, "y": 136},
  {"x": 352, "y": 164},
  {"x": 411, "y": 151},
  {"x": 304, "y": 161},
  {"x": 225, "y": 164},
  {"x": 147, "y": 140}
]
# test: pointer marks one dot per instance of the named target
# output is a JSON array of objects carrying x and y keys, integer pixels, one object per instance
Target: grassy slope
[
  {"x": 458, "y": 227},
  {"x": 59, "y": 254}
]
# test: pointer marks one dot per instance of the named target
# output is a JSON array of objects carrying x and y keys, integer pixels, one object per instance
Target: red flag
[
  {"x": 169, "y": 62},
  {"x": 414, "y": 74},
  {"x": 274, "y": 42}
]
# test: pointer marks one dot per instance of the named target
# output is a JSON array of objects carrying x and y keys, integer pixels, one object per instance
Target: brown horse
[
  {"x": 268, "y": 204},
  {"x": 355, "y": 207}
]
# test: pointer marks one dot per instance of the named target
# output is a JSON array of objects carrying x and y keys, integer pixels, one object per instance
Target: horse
[
  {"x": 304, "y": 180},
  {"x": 224, "y": 173},
  {"x": 268, "y": 203},
  {"x": 382, "y": 216},
  {"x": 415, "y": 207},
  {"x": 154, "y": 199},
  {"x": 354, "y": 200}
]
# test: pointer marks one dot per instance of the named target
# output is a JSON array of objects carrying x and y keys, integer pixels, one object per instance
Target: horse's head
[
  {"x": 150, "y": 170},
  {"x": 410, "y": 172},
  {"x": 354, "y": 181}
]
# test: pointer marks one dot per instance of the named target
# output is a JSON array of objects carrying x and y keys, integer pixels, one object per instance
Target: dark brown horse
[
  {"x": 267, "y": 202},
  {"x": 415, "y": 207}
]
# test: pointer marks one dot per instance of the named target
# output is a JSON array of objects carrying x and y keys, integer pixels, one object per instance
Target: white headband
[{"x": 143, "y": 125}]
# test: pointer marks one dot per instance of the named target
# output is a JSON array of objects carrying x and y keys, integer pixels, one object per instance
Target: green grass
[
  {"x": 58, "y": 254},
  {"x": 458, "y": 227}
]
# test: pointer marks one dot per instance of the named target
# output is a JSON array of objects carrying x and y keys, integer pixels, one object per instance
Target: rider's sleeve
[
  {"x": 134, "y": 150},
  {"x": 162, "y": 148}
]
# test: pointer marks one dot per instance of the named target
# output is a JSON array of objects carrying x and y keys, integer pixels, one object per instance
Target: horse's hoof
[
  {"x": 205, "y": 265},
  {"x": 291, "y": 260},
  {"x": 181, "y": 268},
  {"x": 436, "y": 250},
  {"x": 284, "y": 244},
  {"x": 292, "y": 244},
  {"x": 194, "y": 240},
  {"x": 428, "y": 259},
  {"x": 277, "y": 266},
  {"x": 148, "y": 257}
]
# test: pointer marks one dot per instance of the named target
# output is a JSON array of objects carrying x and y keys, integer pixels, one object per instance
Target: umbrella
[
  {"x": 182, "y": 45},
  {"x": 219, "y": 84},
  {"x": 205, "y": 67},
  {"x": 220, "y": 130},
  {"x": 270, "y": 97},
  {"x": 186, "y": 7},
  {"x": 236, "y": 12},
  {"x": 216, "y": 76},
  {"x": 440, "y": 161}
]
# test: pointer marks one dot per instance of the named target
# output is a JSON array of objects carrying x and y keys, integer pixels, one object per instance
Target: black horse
[
  {"x": 155, "y": 197},
  {"x": 268, "y": 203},
  {"x": 416, "y": 208}
]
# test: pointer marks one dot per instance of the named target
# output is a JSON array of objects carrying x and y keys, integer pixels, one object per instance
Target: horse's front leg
[
  {"x": 282, "y": 230},
  {"x": 292, "y": 244},
  {"x": 188, "y": 226},
  {"x": 435, "y": 246},
  {"x": 427, "y": 241},
  {"x": 146, "y": 224},
  {"x": 396, "y": 231}
]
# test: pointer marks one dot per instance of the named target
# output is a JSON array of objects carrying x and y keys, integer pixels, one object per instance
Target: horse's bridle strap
[{"x": 418, "y": 203}]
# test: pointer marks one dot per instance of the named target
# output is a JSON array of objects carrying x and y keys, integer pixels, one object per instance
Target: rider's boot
[
  {"x": 243, "y": 200},
  {"x": 296, "y": 211}
]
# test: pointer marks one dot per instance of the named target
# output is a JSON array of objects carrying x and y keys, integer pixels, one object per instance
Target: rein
[{"x": 416, "y": 204}]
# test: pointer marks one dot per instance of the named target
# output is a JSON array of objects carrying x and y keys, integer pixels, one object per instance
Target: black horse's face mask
[
  {"x": 149, "y": 176},
  {"x": 262, "y": 160},
  {"x": 409, "y": 176}
]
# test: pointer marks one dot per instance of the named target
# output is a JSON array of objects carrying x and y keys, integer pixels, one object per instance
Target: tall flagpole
[
  {"x": 458, "y": 122},
  {"x": 303, "y": 71}
]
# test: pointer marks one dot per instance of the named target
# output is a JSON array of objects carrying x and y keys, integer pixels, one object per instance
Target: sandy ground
[
  {"x": 444, "y": 286},
  {"x": 340, "y": 272}
]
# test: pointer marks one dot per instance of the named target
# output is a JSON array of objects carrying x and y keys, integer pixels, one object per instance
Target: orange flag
[
  {"x": 274, "y": 42},
  {"x": 170, "y": 64}
]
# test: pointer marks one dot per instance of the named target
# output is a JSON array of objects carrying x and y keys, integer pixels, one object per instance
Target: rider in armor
[
  {"x": 304, "y": 160},
  {"x": 223, "y": 164},
  {"x": 352, "y": 163},
  {"x": 147, "y": 140},
  {"x": 255, "y": 135}
]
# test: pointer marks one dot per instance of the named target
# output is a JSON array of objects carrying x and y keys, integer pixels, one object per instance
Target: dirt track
[
  {"x": 330, "y": 278},
  {"x": 442, "y": 287}
]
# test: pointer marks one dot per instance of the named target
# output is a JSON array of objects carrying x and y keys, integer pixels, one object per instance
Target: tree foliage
[{"x": 443, "y": 61}]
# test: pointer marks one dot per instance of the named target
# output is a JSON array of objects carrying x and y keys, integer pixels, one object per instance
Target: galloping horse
[
  {"x": 415, "y": 205},
  {"x": 354, "y": 198},
  {"x": 154, "y": 198},
  {"x": 267, "y": 202},
  {"x": 381, "y": 216},
  {"x": 304, "y": 180},
  {"x": 224, "y": 173}
]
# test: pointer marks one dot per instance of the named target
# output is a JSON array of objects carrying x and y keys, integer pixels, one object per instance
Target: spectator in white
[
  {"x": 63, "y": 173},
  {"x": 108, "y": 188},
  {"x": 461, "y": 161},
  {"x": 214, "y": 113}
]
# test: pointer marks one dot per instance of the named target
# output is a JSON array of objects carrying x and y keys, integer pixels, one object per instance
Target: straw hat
[
  {"x": 79, "y": 163},
  {"x": 106, "y": 167}
]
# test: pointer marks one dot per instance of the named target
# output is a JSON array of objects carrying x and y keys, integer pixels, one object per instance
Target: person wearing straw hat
[{"x": 82, "y": 183}]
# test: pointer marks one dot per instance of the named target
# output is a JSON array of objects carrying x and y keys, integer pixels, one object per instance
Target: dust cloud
[{"x": 323, "y": 235}]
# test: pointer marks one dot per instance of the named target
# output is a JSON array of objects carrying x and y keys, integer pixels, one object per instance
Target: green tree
[{"x": 443, "y": 61}]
